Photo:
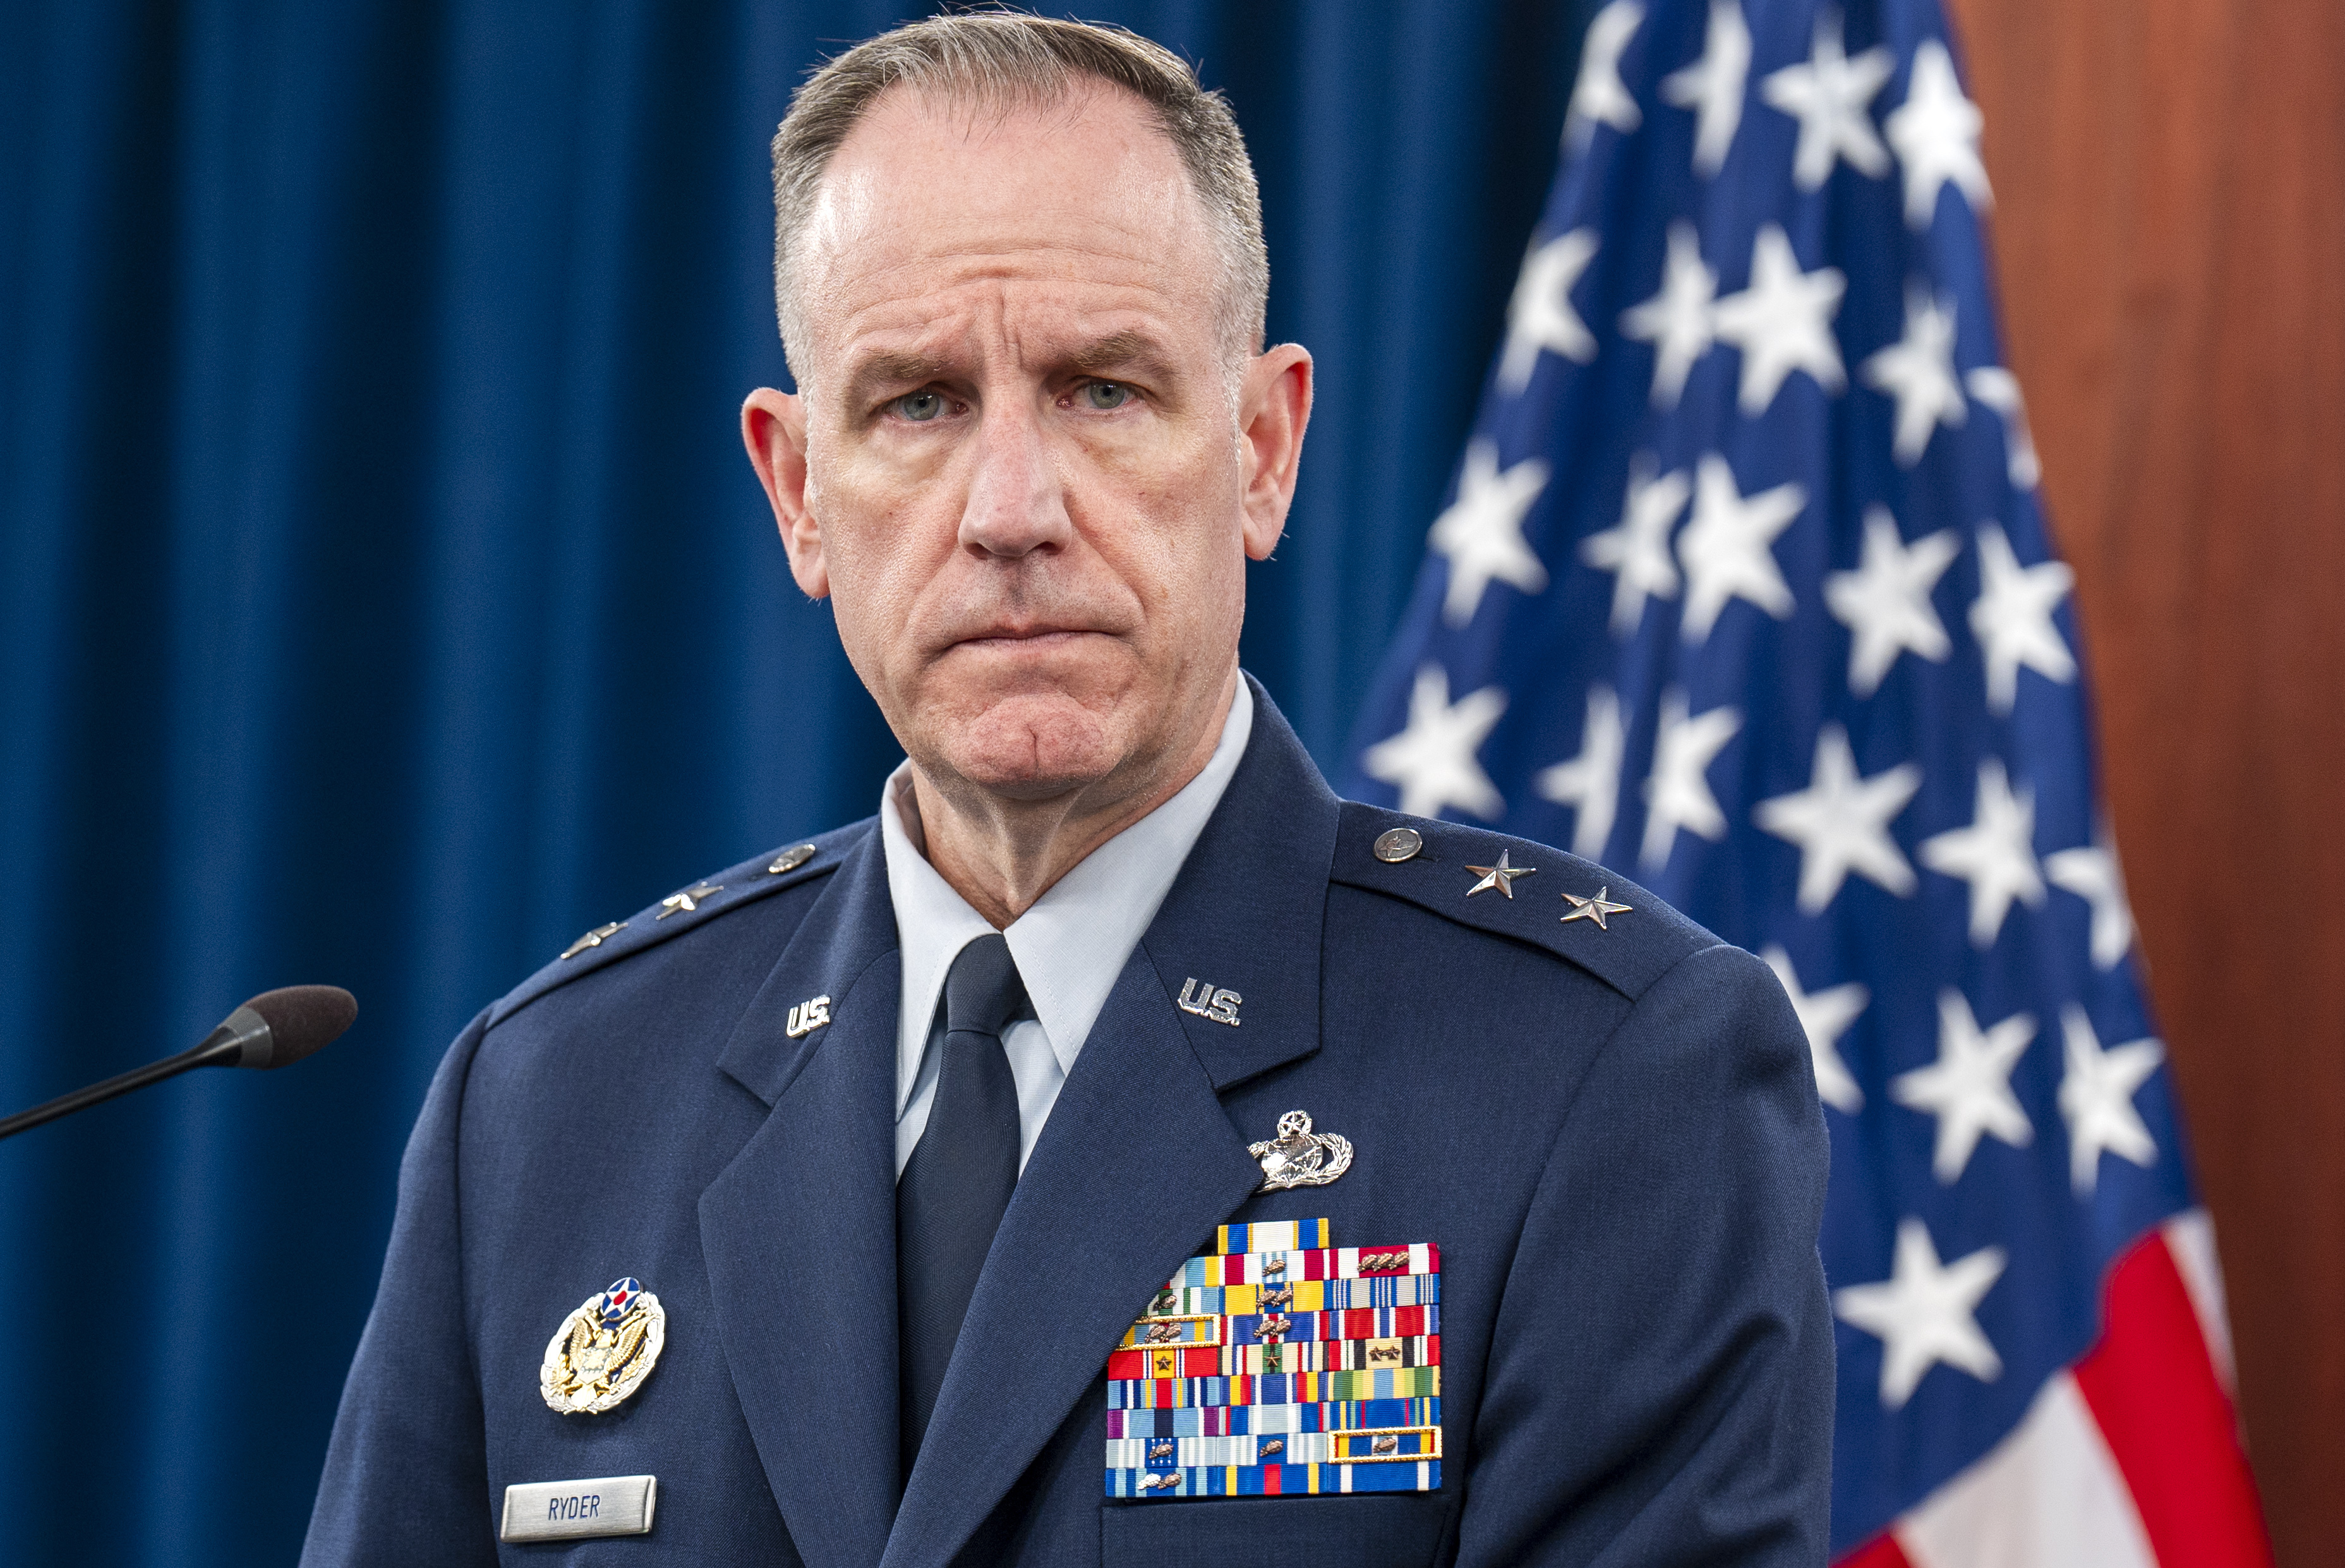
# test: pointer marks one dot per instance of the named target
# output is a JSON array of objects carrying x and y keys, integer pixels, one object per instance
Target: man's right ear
[{"x": 773, "y": 427}]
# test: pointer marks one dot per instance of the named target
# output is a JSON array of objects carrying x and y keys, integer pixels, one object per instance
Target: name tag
[{"x": 566, "y": 1510}]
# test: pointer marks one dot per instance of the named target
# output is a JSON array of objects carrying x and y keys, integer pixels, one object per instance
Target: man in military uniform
[{"x": 1365, "y": 1189}]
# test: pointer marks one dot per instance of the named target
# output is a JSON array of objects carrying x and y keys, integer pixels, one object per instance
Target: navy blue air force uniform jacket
[{"x": 1611, "y": 1135}]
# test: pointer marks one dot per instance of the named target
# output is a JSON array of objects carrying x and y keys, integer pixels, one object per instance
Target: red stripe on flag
[
  {"x": 2153, "y": 1391},
  {"x": 1881, "y": 1552}
]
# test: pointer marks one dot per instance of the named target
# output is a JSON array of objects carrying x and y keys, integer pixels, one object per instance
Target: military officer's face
[{"x": 1026, "y": 465}]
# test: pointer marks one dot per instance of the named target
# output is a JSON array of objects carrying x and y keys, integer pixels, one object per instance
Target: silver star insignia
[
  {"x": 594, "y": 938},
  {"x": 689, "y": 900},
  {"x": 1501, "y": 876},
  {"x": 1594, "y": 908}
]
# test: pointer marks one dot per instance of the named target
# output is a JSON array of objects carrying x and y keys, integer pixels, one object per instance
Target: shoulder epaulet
[
  {"x": 1575, "y": 909},
  {"x": 689, "y": 908}
]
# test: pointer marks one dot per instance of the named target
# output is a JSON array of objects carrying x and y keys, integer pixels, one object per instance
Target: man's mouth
[{"x": 1036, "y": 639}]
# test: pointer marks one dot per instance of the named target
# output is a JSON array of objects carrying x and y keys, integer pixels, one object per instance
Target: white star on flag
[
  {"x": 1433, "y": 759},
  {"x": 1829, "y": 96},
  {"x": 1599, "y": 97},
  {"x": 2097, "y": 1098},
  {"x": 1924, "y": 1313},
  {"x": 1996, "y": 854},
  {"x": 2093, "y": 874},
  {"x": 1936, "y": 134},
  {"x": 1998, "y": 389},
  {"x": 1782, "y": 322},
  {"x": 1482, "y": 531},
  {"x": 1728, "y": 549},
  {"x": 2012, "y": 618},
  {"x": 1713, "y": 87},
  {"x": 1968, "y": 1087},
  {"x": 1591, "y": 780},
  {"x": 1840, "y": 822},
  {"x": 1676, "y": 321},
  {"x": 1886, "y": 602},
  {"x": 1824, "y": 1016},
  {"x": 1677, "y": 795},
  {"x": 1918, "y": 370},
  {"x": 1638, "y": 549},
  {"x": 1540, "y": 315}
]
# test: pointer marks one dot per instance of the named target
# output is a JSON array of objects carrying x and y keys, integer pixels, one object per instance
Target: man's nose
[{"x": 1016, "y": 505}]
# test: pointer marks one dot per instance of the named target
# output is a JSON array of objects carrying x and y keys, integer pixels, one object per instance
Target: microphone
[{"x": 272, "y": 1028}]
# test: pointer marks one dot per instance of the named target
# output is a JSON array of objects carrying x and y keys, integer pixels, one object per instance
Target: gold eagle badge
[{"x": 604, "y": 1350}]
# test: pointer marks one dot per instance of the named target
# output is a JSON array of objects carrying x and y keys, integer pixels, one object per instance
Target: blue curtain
[{"x": 384, "y": 598}]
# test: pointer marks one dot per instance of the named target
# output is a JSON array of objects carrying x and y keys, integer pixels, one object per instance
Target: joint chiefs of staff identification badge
[{"x": 604, "y": 1350}]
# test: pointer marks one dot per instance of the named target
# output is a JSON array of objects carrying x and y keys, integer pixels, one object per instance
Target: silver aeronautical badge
[
  {"x": 604, "y": 1350},
  {"x": 1299, "y": 1156}
]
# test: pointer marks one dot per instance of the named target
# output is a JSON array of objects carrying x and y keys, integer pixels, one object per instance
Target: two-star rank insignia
[
  {"x": 1501, "y": 876},
  {"x": 604, "y": 1350},
  {"x": 689, "y": 900},
  {"x": 1594, "y": 908},
  {"x": 594, "y": 938},
  {"x": 1280, "y": 1367}
]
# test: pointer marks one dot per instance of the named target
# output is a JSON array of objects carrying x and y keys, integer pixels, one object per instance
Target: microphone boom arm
[{"x": 271, "y": 1030}]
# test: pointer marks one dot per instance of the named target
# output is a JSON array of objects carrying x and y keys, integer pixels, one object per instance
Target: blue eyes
[
  {"x": 925, "y": 407},
  {"x": 920, "y": 407}
]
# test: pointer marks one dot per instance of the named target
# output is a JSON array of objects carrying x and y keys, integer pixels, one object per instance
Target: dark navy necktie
[{"x": 950, "y": 1198}]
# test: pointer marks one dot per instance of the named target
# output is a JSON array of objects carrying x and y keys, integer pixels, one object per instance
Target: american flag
[{"x": 1744, "y": 589}]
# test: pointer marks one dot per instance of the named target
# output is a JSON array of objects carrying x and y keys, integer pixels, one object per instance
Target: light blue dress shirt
[{"x": 1070, "y": 946}]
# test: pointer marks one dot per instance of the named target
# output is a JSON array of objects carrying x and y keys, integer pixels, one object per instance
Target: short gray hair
[{"x": 1009, "y": 57}]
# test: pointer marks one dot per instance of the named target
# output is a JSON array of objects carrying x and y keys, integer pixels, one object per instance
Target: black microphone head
[{"x": 300, "y": 1018}]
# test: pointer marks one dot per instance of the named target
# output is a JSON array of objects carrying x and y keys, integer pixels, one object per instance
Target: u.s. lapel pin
[
  {"x": 1218, "y": 1004},
  {"x": 1298, "y": 1156},
  {"x": 806, "y": 1018}
]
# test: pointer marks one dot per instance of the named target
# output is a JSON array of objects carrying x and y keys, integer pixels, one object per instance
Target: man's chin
[{"x": 1032, "y": 746}]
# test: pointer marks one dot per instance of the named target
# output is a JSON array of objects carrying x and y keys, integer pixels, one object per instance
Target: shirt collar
[{"x": 1074, "y": 941}]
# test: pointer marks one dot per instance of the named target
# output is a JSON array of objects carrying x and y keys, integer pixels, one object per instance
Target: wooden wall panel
[{"x": 2170, "y": 181}]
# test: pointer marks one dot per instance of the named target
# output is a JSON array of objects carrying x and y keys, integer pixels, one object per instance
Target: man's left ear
[{"x": 1273, "y": 405}]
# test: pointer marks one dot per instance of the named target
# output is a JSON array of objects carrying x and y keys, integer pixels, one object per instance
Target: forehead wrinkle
[
  {"x": 875, "y": 260},
  {"x": 890, "y": 293},
  {"x": 957, "y": 329}
]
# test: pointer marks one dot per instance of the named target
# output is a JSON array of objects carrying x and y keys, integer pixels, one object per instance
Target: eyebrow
[
  {"x": 1126, "y": 350},
  {"x": 891, "y": 370},
  {"x": 1118, "y": 350}
]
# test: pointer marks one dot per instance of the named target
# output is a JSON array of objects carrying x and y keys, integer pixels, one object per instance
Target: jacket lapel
[
  {"x": 1138, "y": 1163},
  {"x": 798, "y": 1231},
  {"x": 1249, "y": 909}
]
